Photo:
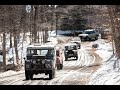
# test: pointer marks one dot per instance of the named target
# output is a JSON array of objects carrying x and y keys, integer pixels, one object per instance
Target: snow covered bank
[
  {"x": 108, "y": 74},
  {"x": 10, "y": 72}
]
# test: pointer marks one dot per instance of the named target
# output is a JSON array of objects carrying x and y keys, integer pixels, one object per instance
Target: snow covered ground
[{"x": 107, "y": 74}]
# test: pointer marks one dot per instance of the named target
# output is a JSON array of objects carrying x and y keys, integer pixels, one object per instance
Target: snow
[
  {"x": 107, "y": 74},
  {"x": 53, "y": 40},
  {"x": 9, "y": 73}
]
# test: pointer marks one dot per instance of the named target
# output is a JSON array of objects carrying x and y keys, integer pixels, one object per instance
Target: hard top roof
[
  {"x": 41, "y": 46},
  {"x": 70, "y": 43}
]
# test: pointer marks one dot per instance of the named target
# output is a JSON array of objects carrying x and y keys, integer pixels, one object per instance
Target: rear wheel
[{"x": 58, "y": 66}]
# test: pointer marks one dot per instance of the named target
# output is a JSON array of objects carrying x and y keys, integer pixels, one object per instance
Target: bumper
[{"x": 38, "y": 67}]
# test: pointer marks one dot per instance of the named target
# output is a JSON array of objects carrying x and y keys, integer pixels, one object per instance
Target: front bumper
[{"x": 38, "y": 66}]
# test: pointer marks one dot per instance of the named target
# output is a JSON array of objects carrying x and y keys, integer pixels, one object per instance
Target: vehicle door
[{"x": 92, "y": 33}]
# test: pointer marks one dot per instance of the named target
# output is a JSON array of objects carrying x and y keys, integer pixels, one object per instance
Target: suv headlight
[
  {"x": 66, "y": 51},
  {"x": 43, "y": 61},
  {"x": 34, "y": 61}
]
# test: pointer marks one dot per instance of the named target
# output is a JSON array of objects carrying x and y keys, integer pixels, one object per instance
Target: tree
[
  {"x": 74, "y": 19},
  {"x": 3, "y": 25},
  {"x": 114, "y": 11}
]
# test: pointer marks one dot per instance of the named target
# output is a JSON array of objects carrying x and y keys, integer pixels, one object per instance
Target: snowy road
[{"x": 75, "y": 72}]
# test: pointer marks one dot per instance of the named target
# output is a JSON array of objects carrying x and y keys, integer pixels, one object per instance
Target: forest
[{"x": 39, "y": 19}]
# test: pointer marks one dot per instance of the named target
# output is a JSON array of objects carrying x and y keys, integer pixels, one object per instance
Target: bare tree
[
  {"x": 114, "y": 13},
  {"x": 3, "y": 15}
]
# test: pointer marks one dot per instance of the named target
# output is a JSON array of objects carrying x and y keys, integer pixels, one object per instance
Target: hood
[{"x": 83, "y": 35}]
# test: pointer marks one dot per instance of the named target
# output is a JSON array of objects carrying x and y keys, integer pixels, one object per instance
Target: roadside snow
[
  {"x": 9, "y": 73},
  {"x": 108, "y": 74}
]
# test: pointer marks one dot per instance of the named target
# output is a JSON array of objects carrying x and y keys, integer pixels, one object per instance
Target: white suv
[{"x": 89, "y": 34}]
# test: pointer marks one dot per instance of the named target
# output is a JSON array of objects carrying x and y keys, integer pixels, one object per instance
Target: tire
[
  {"x": 96, "y": 38},
  {"x": 52, "y": 74},
  {"x": 66, "y": 59},
  {"x": 86, "y": 39},
  {"x": 61, "y": 66},
  {"x": 28, "y": 75},
  {"x": 58, "y": 66},
  {"x": 76, "y": 57}
]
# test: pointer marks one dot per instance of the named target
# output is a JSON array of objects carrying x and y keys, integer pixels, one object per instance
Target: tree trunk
[
  {"x": 4, "y": 51},
  {"x": 16, "y": 49},
  {"x": 10, "y": 40},
  {"x": 35, "y": 23},
  {"x": 114, "y": 16},
  {"x": 4, "y": 44}
]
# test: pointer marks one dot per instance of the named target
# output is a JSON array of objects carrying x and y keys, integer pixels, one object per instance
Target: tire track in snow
[
  {"x": 81, "y": 59},
  {"x": 37, "y": 78},
  {"x": 9, "y": 80},
  {"x": 89, "y": 58},
  {"x": 61, "y": 75},
  {"x": 84, "y": 59},
  {"x": 92, "y": 60},
  {"x": 77, "y": 63}
]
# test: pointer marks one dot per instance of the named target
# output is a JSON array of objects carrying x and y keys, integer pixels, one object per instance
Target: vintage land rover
[
  {"x": 40, "y": 59},
  {"x": 70, "y": 50}
]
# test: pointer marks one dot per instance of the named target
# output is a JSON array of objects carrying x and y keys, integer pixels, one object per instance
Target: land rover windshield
[
  {"x": 72, "y": 47},
  {"x": 47, "y": 53}
]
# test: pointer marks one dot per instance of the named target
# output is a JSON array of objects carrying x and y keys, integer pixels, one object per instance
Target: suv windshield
[
  {"x": 89, "y": 32},
  {"x": 70, "y": 47},
  {"x": 40, "y": 52}
]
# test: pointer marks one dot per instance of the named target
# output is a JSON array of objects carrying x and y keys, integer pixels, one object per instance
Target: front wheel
[
  {"x": 76, "y": 57},
  {"x": 66, "y": 58},
  {"x": 52, "y": 74},
  {"x": 61, "y": 66},
  {"x": 28, "y": 75},
  {"x": 86, "y": 39},
  {"x": 96, "y": 38}
]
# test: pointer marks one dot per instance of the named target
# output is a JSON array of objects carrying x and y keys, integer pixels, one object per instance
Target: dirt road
[{"x": 75, "y": 72}]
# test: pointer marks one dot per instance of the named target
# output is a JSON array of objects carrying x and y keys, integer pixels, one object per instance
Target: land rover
[
  {"x": 71, "y": 50},
  {"x": 40, "y": 59}
]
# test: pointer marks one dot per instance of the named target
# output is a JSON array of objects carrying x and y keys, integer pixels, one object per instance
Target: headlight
[
  {"x": 34, "y": 61},
  {"x": 43, "y": 61}
]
